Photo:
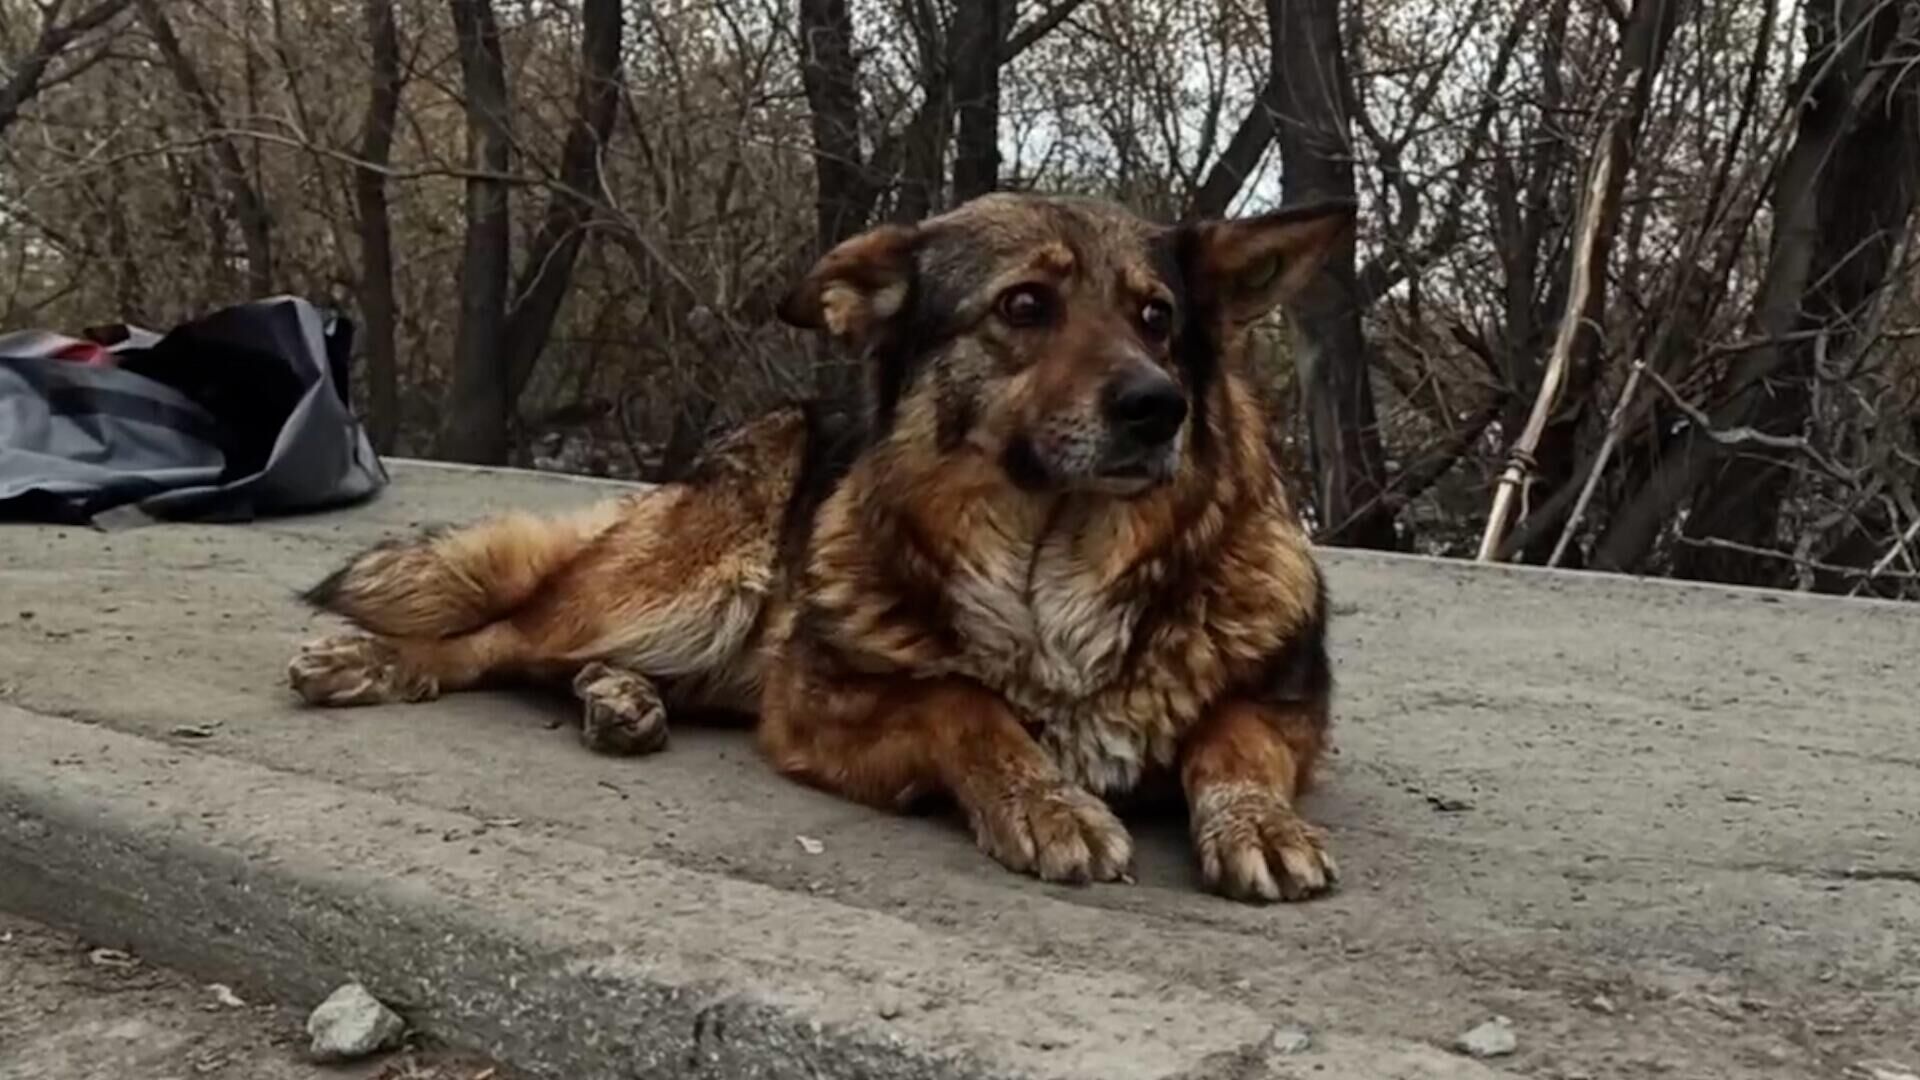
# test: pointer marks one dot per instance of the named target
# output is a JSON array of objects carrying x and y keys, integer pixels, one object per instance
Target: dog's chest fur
[
  {"x": 1036, "y": 614},
  {"x": 1040, "y": 623}
]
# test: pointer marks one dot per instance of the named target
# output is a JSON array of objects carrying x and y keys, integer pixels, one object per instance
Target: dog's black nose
[{"x": 1145, "y": 405}]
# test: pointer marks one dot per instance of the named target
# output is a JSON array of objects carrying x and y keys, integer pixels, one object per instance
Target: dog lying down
[{"x": 1050, "y": 559}]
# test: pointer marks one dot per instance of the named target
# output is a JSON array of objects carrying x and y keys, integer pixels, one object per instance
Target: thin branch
[
  {"x": 1797, "y": 560},
  {"x": 1024, "y": 38},
  {"x": 1899, "y": 547},
  {"x": 1748, "y": 436},
  {"x": 1600, "y": 459}
]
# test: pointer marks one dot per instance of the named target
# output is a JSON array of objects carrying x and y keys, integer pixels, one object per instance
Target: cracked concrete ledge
[
  {"x": 628, "y": 967},
  {"x": 1668, "y": 830}
]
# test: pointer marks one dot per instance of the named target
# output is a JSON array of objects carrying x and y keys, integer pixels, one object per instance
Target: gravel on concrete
[{"x": 65, "y": 1015}]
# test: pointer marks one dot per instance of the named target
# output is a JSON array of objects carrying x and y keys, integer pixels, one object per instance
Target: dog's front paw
[
  {"x": 1253, "y": 846},
  {"x": 623, "y": 711},
  {"x": 1054, "y": 831},
  {"x": 354, "y": 669}
]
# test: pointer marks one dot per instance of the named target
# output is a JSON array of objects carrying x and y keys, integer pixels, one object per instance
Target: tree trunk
[
  {"x": 378, "y": 306},
  {"x": 842, "y": 193},
  {"x": 256, "y": 223},
  {"x": 1245, "y": 147},
  {"x": 831, "y": 79},
  {"x": 548, "y": 270},
  {"x": 980, "y": 35},
  {"x": 479, "y": 405},
  {"x": 1311, "y": 96}
]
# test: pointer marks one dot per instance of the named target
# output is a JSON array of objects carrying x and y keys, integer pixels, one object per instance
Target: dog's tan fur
[{"x": 995, "y": 584}]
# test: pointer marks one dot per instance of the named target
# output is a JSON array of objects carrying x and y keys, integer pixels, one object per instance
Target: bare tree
[
  {"x": 502, "y": 333},
  {"x": 1842, "y": 204},
  {"x": 256, "y": 221},
  {"x": 547, "y": 270},
  {"x": 479, "y": 404},
  {"x": 565, "y": 236},
  {"x": 378, "y": 304},
  {"x": 979, "y": 38},
  {"x": 32, "y": 72},
  {"x": 1311, "y": 93}
]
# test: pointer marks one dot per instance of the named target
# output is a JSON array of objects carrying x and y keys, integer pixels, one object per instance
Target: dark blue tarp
[{"x": 238, "y": 414}]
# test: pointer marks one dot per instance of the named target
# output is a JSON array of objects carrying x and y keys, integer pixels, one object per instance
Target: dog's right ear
[{"x": 856, "y": 287}]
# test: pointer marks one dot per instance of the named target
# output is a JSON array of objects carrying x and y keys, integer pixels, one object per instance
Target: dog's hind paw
[
  {"x": 1056, "y": 832},
  {"x": 354, "y": 669},
  {"x": 622, "y": 711}
]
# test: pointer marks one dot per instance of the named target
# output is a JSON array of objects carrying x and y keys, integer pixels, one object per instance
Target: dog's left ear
[
  {"x": 1249, "y": 266},
  {"x": 856, "y": 287}
]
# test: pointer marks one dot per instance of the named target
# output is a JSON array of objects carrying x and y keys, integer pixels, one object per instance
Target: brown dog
[{"x": 1051, "y": 562}]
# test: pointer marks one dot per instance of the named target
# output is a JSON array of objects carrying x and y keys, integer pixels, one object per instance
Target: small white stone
[
  {"x": 1494, "y": 1038},
  {"x": 809, "y": 845},
  {"x": 1887, "y": 1070},
  {"x": 1290, "y": 1040},
  {"x": 352, "y": 1024}
]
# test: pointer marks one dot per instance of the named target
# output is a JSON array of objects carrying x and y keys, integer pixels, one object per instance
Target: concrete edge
[{"x": 556, "y": 957}]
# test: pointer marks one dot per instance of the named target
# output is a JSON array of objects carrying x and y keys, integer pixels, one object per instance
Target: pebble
[
  {"x": 111, "y": 958},
  {"x": 1887, "y": 1070},
  {"x": 1494, "y": 1038},
  {"x": 1290, "y": 1040},
  {"x": 352, "y": 1024}
]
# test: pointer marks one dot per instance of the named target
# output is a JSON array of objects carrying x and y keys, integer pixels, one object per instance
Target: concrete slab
[{"x": 1666, "y": 829}]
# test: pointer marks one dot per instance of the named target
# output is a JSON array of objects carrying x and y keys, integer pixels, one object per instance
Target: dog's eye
[
  {"x": 1026, "y": 305},
  {"x": 1156, "y": 318}
]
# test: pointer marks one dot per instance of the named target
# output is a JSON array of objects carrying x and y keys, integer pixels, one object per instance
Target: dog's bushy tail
[{"x": 457, "y": 580}]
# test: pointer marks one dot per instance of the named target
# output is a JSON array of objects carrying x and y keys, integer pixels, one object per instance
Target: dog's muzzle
[
  {"x": 1144, "y": 407},
  {"x": 1144, "y": 410}
]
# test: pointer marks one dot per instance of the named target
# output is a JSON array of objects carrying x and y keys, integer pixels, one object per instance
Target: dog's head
[{"x": 1067, "y": 339}]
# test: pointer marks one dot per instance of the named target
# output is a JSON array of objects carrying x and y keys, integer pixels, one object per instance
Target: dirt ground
[{"x": 71, "y": 1010}]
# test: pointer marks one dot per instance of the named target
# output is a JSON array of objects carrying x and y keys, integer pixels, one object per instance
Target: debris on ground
[
  {"x": 352, "y": 1024},
  {"x": 1885, "y": 1070},
  {"x": 1494, "y": 1038},
  {"x": 809, "y": 845},
  {"x": 65, "y": 1017},
  {"x": 224, "y": 994},
  {"x": 112, "y": 958},
  {"x": 1290, "y": 1040}
]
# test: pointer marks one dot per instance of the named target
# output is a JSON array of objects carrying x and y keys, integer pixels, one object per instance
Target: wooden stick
[{"x": 1555, "y": 378}]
